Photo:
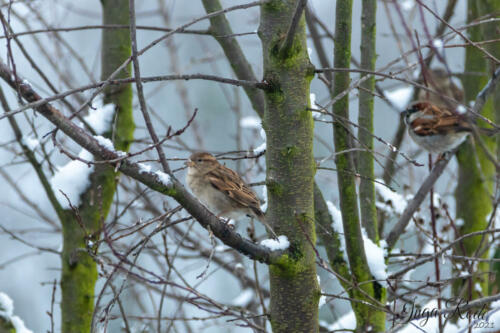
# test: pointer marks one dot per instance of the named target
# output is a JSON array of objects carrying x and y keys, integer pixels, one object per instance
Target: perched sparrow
[
  {"x": 436, "y": 129},
  {"x": 221, "y": 189}
]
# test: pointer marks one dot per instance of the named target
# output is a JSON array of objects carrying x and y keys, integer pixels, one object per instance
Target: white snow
[
  {"x": 250, "y": 122},
  {"x": 19, "y": 325},
  {"x": 144, "y": 168},
  {"x": 244, "y": 298},
  {"x": 7, "y": 311},
  {"x": 375, "y": 258},
  {"x": 315, "y": 114},
  {"x": 312, "y": 97},
  {"x": 30, "y": 142},
  {"x": 6, "y": 305},
  {"x": 281, "y": 243},
  {"x": 461, "y": 109},
  {"x": 105, "y": 142},
  {"x": 338, "y": 226},
  {"x": 263, "y": 146},
  {"x": 163, "y": 177},
  {"x": 222, "y": 248},
  {"x": 438, "y": 44},
  {"x": 72, "y": 179},
  {"x": 101, "y": 117},
  {"x": 263, "y": 134},
  {"x": 260, "y": 148},
  {"x": 322, "y": 301},
  {"x": 396, "y": 200},
  {"x": 400, "y": 97},
  {"x": 263, "y": 207}
]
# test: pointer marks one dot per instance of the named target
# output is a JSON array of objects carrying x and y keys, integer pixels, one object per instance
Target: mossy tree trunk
[
  {"x": 79, "y": 272},
  {"x": 490, "y": 31},
  {"x": 219, "y": 25},
  {"x": 366, "y": 316},
  {"x": 290, "y": 168},
  {"x": 365, "y": 120},
  {"x": 475, "y": 172}
]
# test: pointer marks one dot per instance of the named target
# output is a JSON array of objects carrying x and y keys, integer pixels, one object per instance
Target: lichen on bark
[{"x": 290, "y": 169}]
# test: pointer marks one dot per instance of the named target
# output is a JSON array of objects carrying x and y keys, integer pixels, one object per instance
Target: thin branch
[
  {"x": 158, "y": 40},
  {"x": 470, "y": 42},
  {"x": 234, "y": 54},
  {"x": 103, "y": 26},
  {"x": 151, "y": 179},
  {"x": 140, "y": 91},
  {"x": 259, "y": 85},
  {"x": 399, "y": 228},
  {"x": 292, "y": 29}
]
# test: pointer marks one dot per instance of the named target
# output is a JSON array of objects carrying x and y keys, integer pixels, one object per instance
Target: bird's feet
[{"x": 226, "y": 221}]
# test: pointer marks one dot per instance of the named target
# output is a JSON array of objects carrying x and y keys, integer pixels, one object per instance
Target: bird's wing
[
  {"x": 230, "y": 183},
  {"x": 436, "y": 120}
]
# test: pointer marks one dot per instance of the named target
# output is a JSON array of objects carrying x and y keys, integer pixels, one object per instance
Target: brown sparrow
[
  {"x": 221, "y": 189},
  {"x": 437, "y": 129}
]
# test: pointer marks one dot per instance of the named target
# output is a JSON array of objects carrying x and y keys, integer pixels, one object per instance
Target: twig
[
  {"x": 292, "y": 29},
  {"x": 259, "y": 85},
  {"x": 173, "y": 188},
  {"x": 438, "y": 168},
  {"x": 470, "y": 42}
]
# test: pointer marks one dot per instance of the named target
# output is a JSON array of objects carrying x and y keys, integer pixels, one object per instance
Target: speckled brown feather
[
  {"x": 230, "y": 183},
  {"x": 437, "y": 120}
]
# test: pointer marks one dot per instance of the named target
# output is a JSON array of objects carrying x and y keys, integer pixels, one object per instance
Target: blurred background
[{"x": 72, "y": 59}]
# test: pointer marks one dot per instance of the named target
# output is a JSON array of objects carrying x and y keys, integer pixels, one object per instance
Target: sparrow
[
  {"x": 436, "y": 128},
  {"x": 222, "y": 190}
]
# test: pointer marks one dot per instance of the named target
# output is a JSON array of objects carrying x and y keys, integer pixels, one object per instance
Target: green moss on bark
[
  {"x": 79, "y": 271},
  {"x": 365, "y": 315},
  {"x": 290, "y": 170},
  {"x": 475, "y": 172}
]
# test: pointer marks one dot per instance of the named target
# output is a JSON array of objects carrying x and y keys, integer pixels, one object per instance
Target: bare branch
[
  {"x": 174, "y": 188},
  {"x": 290, "y": 34}
]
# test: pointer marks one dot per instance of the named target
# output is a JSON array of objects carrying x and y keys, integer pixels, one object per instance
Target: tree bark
[
  {"x": 79, "y": 271},
  {"x": 290, "y": 168},
  {"x": 475, "y": 172},
  {"x": 365, "y": 120},
  {"x": 366, "y": 317}
]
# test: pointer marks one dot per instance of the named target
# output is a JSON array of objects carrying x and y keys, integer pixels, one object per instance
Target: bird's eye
[{"x": 199, "y": 160}]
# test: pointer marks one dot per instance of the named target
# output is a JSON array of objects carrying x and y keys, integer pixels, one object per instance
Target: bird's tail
[
  {"x": 488, "y": 131},
  {"x": 262, "y": 218}
]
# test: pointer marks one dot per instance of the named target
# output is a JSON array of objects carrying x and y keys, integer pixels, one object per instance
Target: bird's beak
[{"x": 189, "y": 163}]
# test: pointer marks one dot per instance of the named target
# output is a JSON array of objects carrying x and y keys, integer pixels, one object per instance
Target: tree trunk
[
  {"x": 365, "y": 120},
  {"x": 475, "y": 172},
  {"x": 290, "y": 168},
  {"x": 79, "y": 271},
  {"x": 366, "y": 317}
]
